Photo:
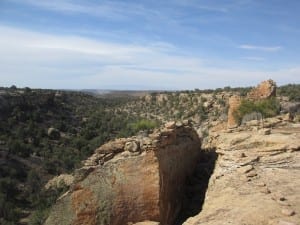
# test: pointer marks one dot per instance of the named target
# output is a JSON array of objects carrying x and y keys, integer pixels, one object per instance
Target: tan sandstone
[{"x": 132, "y": 180}]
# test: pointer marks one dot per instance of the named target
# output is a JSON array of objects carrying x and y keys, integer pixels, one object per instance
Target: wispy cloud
[
  {"x": 53, "y": 61},
  {"x": 113, "y": 10},
  {"x": 52, "y": 57},
  {"x": 261, "y": 48}
]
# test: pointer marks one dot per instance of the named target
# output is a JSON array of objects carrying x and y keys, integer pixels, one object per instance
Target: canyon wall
[{"x": 132, "y": 180}]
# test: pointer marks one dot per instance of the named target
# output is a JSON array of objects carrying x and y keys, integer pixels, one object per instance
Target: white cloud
[
  {"x": 261, "y": 48},
  {"x": 51, "y": 61},
  {"x": 112, "y": 10}
]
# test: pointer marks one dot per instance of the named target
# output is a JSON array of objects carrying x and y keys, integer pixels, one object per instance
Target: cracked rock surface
[{"x": 256, "y": 180}]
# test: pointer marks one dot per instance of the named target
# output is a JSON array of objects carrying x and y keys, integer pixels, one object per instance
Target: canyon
[
  {"x": 132, "y": 180},
  {"x": 238, "y": 173}
]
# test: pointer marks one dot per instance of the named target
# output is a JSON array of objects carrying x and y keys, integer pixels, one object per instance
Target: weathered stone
[
  {"x": 147, "y": 186},
  {"x": 170, "y": 125},
  {"x": 265, "y": 89},
  {"x": 234, "y": 103},
  {"x": 132, "y": 146},
  {"x": 231, "y": 199},
  {"x": 252, "y": 173},
  {"x": 246, "y": 169}
]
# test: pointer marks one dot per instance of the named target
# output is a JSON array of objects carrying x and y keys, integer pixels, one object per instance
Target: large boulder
[{"x": 132, "y": 180}]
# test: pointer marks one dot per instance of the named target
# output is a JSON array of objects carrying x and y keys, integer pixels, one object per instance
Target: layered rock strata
[
  {"x": 132, "y": 180},
  {"x": 256, "y": 178}
]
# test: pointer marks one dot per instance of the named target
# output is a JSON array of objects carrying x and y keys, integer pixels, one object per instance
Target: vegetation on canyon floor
[{"x": 44, "y": 133}]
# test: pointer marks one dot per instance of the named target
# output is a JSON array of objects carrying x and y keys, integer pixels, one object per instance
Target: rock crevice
[{"x": 132, "y": 180}]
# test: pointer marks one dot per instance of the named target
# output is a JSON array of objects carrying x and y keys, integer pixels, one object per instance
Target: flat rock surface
[{"x": 271, "y": 195}]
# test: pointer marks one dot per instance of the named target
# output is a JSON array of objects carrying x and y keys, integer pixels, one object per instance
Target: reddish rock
[
  {"x": 234, "y": 103},
  {"x": 133, "y": 187},
  {"x": 265, "y": 89}
]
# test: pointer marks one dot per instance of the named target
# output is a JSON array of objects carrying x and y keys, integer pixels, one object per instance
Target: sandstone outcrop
[
  {"x": 234, "y": 103},
  {"x": 256, "y": 178},
  {"x": 132, "y": 180},
  {"x": 264, "y": 90}
]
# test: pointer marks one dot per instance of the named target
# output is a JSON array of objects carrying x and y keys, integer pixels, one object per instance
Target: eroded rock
[
  {"x": 234, "y": 103},
  {"x": 261, "y": 188},
  {"x": 114, "y": 188},
  {"x": 265, "y": 89}
]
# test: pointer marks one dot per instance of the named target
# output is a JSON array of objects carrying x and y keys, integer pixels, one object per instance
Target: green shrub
[
  {"x": 267, "y": 107},
  {"x": 143, "y": 125},
  {"x": 292, "y": 91}
]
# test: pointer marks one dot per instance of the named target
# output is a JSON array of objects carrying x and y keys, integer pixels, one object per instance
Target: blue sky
[{"x": 148, "y": 44}]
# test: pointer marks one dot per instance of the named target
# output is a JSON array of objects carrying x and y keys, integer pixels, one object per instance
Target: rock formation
[
  {"x": 256, "y": 178},
  {"x": 234, "y": 103},
  {"x": 132, "y": 180},
  {"x": 264, "y": 90}
]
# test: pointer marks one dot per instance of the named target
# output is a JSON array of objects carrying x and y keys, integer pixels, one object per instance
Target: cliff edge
[
  {"x": 132, "y": 180},
  {"x": 256, "y": 180}
]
